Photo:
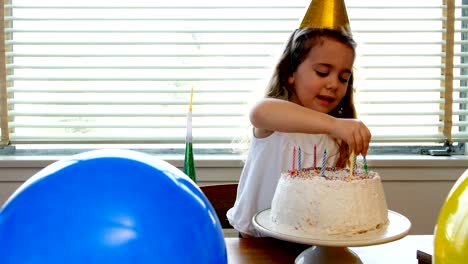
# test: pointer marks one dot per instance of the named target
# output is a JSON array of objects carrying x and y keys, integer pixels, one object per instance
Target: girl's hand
[{"x": 354, "y": 132}]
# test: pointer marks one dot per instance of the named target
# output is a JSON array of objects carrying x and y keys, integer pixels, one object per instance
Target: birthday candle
[
  {"x": 294, "y": 159},
  {"x": 189, "y": 162},
  {"x": 299, "y": 162},
  {"x": 354, "y": 163},
  {"x": 323, "y": 162},
  {"x": 365, "y": 165},
  {"x": 351, "y": 168},
  {"x": 315, "y": 156}
]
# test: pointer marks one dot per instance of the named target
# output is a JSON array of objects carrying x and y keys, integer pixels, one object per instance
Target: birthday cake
[{"x": 329, "y": 202}]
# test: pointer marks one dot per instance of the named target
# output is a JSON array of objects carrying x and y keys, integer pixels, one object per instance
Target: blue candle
[
  {"x": 324, "y": 162},
  {"x": 299, "y": 163}
]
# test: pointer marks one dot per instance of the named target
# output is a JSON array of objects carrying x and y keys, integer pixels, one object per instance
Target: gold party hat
[{"x": 329, "y": 14}]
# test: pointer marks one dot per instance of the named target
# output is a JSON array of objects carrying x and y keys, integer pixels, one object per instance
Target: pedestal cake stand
[{"x": 333, "y": 249}]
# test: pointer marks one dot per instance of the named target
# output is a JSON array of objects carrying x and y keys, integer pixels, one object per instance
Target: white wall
[{"x": 415, "y": 186}]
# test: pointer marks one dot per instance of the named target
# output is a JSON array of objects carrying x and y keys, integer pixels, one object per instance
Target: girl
[{"x": 308, "y": 105}]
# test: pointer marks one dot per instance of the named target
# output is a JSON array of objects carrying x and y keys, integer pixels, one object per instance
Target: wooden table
[{"x": 269, "y": 250}]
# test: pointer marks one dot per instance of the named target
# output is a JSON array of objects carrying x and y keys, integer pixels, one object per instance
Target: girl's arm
[{"x": 271, "y": 115}]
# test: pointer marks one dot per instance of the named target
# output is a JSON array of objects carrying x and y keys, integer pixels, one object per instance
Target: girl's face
[{"x": 322, "y": 78}]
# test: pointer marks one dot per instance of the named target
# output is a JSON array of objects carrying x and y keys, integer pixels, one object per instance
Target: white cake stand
[{"x": 333, "y": 249}]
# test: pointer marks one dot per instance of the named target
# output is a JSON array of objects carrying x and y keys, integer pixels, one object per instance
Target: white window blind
[{"x": 121, "y": 71}]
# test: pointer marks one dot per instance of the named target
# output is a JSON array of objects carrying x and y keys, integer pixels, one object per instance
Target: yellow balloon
[{"x": 451, "y": 231}]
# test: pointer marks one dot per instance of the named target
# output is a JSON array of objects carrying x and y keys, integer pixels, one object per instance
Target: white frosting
[{"x": 332, "y": 205}]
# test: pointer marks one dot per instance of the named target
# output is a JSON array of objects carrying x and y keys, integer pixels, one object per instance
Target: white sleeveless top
[{"x": 267, "y": 158}]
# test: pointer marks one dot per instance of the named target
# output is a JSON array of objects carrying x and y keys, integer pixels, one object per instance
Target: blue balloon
[{"x": 110, "y": 206}]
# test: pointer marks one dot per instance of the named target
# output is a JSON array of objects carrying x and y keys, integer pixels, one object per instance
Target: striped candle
[
  {"x": 353, "y": 163},
  {"x": 299, "y": 162},
  {"x": 324, "y": 159}
]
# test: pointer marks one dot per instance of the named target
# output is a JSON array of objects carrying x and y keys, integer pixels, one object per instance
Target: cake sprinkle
[{"x": 331, "y": 173}]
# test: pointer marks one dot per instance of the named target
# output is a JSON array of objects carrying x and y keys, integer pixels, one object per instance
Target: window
[{"x": 121, "y": 71}]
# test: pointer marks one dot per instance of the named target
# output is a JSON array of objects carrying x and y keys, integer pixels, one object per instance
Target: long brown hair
[{"x": 296, "y": 51}]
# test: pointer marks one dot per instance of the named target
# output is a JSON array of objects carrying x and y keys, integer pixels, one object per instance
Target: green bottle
[{"x": 189, "y": 163}]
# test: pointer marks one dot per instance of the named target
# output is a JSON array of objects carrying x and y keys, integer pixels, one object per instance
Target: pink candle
[
  {"x": 294, "y": 159},
  {"x": 315, "y": 156}
]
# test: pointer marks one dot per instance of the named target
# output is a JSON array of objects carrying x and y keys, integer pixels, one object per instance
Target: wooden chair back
[{"x": 222, "y": 198}]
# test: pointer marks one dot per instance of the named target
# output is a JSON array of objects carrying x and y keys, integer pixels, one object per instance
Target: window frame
[{"x": 413, "y": 148}]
